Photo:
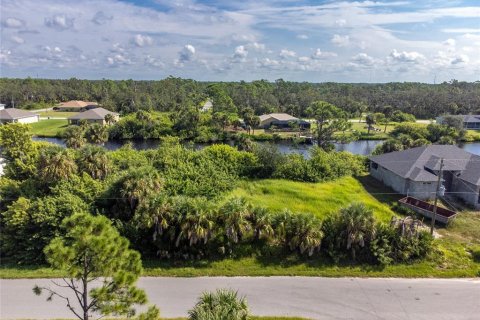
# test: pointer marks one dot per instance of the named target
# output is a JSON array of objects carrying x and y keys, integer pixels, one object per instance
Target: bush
[{"x": 220, "y": 305}]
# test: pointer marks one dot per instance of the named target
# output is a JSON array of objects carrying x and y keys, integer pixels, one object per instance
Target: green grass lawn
[
  {"x": 318, "y": 198},
  {"x": 59, "y": 114},
  {"x": 49, "y": 128}
]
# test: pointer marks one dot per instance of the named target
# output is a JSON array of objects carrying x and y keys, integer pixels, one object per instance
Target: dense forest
[{"x": 175, "y": 94}]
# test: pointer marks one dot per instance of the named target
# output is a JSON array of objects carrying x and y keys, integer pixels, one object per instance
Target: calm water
[{"x": 363, "y": 147}]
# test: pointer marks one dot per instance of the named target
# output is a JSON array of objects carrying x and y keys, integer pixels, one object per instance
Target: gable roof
[
  {"x": 77, "y": 104},
  {"x": 278, "y": 117},
  {"x": 471, "y": 118},
  {"x": 92, "y": 114},
  {"x": 417, "y": 164},
  {"x": 14, "y": 113}
]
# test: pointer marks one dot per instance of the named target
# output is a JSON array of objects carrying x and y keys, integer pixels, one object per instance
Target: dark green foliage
[
  {"x": 18, "y": 150},
  {"x": 89, "y": 248},
  {"x": 321, "y": 166},
  {"x": 399, "y": 116},
  {"x": 29, "y": 225},
  {"x": 142, "y": 125}
]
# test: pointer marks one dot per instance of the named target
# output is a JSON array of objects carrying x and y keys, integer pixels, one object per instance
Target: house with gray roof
[
  {"x": 281, "y": 120},
  {"x": 470, "y": 121},
  {"x": 96, "y": 115},
  {"x": 9, "y": 115},
  {"x": 415, "y": 172}
]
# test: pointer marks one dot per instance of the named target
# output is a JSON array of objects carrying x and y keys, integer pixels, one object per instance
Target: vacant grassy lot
[
  {"x": 49, "y": 128},
  {"x": 457, "y": 253},
  {"x": 318, "y": 198},
  {"x": 56, "y": 114}
]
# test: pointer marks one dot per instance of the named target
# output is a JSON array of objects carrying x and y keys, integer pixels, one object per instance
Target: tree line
[{"x": 258, "y": 97}]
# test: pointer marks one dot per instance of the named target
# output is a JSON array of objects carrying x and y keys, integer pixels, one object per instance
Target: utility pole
[{"x": 439, "y": 181}]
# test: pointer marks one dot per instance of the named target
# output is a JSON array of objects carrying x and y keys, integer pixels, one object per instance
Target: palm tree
[
  {"x": 358, "y": 226},
  {"x": 56, "y": 163},
  {"x": 195, "y": 220},
  {"x": 97, "y": 134},
  {"x": 370, "y": 120},
  {"x": 220, "y": 305},
  {"x": 138, "y": 184},
  {"x": 94, "y": 161},
  {"x": 303, "y": 233},
  {"x": 109, "y": 118},
  {"x": 74, "y": 137},
  {"x": 235, "y": 214},
  {"x": 261, "y": 220}
]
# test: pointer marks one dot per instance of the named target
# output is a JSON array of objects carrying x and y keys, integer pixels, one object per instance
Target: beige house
[
  {"x": 281, "y": 120},
  {"x": 17, "y": 115},
  {"x": 96, "y": 115},
  {"x": 76, "y": 106}
]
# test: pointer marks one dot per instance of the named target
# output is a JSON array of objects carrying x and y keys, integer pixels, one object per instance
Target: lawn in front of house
[
  {"x": 57, "y": 114},
  {"x": 49, "y": 128}
]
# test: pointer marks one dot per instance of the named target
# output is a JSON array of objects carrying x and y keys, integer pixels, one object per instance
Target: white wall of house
[{"x": 31, "y": 119}]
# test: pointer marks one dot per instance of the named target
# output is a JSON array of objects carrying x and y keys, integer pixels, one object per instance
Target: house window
[
  {"x": 427, "y": 183},
  {"x": 375, "y": 165}
]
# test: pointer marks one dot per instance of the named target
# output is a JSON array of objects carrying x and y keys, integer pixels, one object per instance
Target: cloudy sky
[{"x": 358, "y": 41}]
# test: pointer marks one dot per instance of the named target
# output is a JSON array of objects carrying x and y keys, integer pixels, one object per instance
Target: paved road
[{"x": 314, "y": 298}]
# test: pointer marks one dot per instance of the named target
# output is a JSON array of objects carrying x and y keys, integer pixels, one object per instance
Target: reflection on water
[{"x": 363, "y": 147}]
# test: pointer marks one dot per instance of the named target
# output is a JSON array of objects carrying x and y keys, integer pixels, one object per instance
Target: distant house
[
  {"x": 207, "y": 106},
  {"x": 281, "y": 120},
  {"x": 96, "y": 115},
  {"x": 470, "y": 122},
  {"x": 415, "y": 172},
  {"x": 75, "y": 106},
  {"x": 17, "y": 115}
]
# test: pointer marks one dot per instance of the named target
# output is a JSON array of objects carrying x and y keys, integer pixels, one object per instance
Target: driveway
[{"x": 314, "y": 298}]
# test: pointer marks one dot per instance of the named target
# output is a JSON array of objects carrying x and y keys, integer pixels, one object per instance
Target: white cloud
[
  {"x": 118, "y": 59},
  {"x": 449, "y": 42},
  {"x": 404, "y": 56},
  {"x": 363, "y": 59},
  {"x": 340, "y": 41},
  {"x": 340, "y": 22},
  {"x": 284, "y": 53},
  {"x": 240, "y": 53},
  {"x": 256, "y": 46},
  {"x": 185, "y": 55},
  {"x": 302, "y": 36},
  {"x": 319, "y": 54},
  {"x": 59, "y": 22},
  {"x": 100, "y": 18},
  {"x": 460, "y": 59},
  {"x": 154, "y": 62},
  {"x": 17, "y": 39},
  {"x": 5, "y": 56},
  {"x": 13, "y": 23},
  {"x": 142, "y": 41}
]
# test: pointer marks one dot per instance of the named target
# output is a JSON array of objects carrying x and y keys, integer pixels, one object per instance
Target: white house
[{"x": 17, "y": 115}]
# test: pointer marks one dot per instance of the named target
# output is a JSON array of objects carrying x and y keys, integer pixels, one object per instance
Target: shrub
[{"x": 220, "y": 305}]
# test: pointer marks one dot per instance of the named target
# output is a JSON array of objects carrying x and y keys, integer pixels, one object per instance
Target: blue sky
[{"x": 344, "y": 41}]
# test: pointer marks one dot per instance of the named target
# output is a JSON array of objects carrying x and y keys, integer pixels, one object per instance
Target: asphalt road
[{"x": 314, "y": 298}]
